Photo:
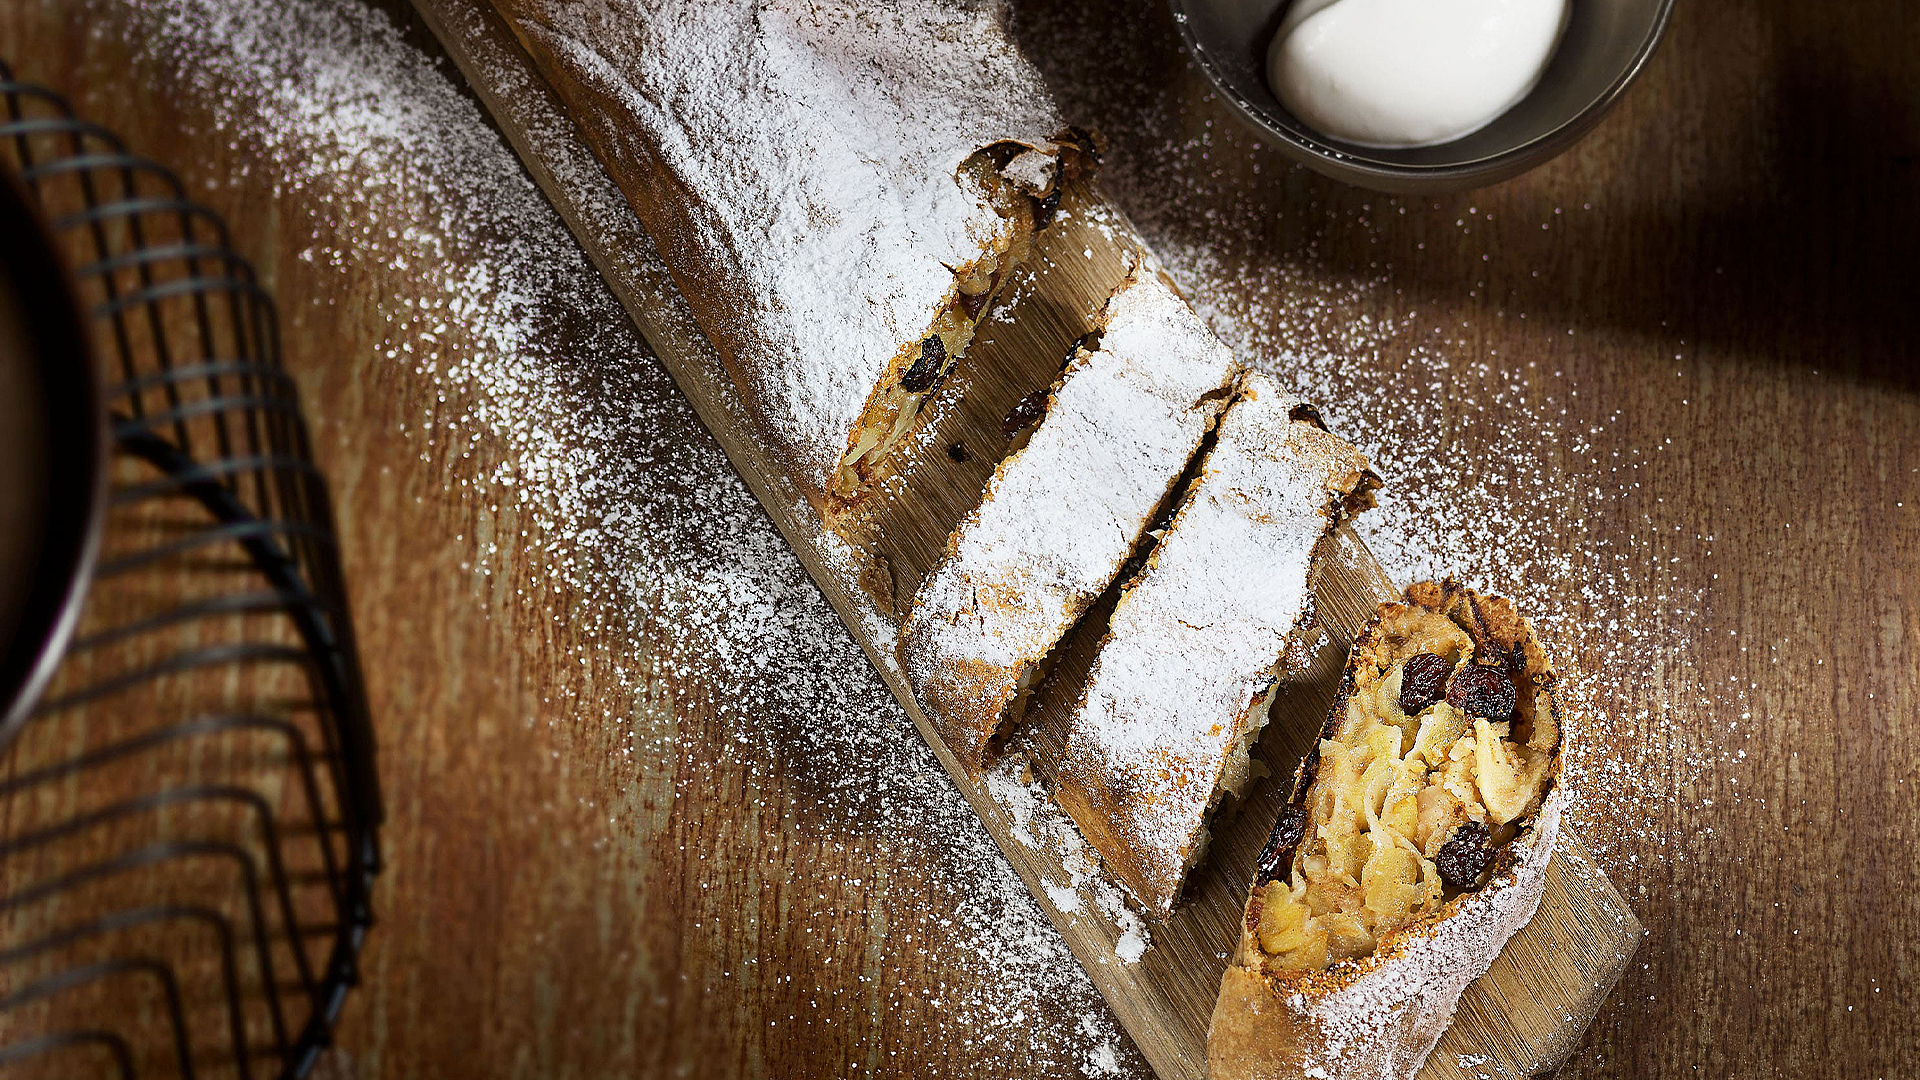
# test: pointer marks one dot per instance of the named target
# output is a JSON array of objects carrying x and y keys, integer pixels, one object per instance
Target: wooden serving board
[{"x": 1522, "y": 1018}]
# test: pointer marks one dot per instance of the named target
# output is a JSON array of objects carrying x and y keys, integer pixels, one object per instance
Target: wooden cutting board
[{"x": 1522, "y": 1018}]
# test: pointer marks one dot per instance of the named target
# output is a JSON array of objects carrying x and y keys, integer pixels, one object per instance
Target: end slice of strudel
[{"x": 1415, "y": 843}]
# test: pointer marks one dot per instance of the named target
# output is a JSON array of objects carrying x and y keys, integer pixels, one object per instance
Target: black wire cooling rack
[{"x": 188, "y": 817}]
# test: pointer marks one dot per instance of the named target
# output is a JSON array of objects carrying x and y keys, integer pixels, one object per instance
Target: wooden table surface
[{"x": 1712, "y": 299}]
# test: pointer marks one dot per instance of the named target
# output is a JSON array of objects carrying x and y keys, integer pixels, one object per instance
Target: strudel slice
[
  {"x": 1415, "y": 843},
  {"x": 1063, "y": 513},
  {"x": 839, "y": 189},
  {"x": 1180, "y": 686}
]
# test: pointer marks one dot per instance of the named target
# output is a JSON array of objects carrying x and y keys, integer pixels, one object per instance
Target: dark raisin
[
  {"x": 1162, "y": 518},
  {"x": 1422, "y": 681},
  {"x": 940, "y": 380},
  {"x": 1308, "y": 413},
  {"x": 1464, "y": 859},
  {"x": 1309, "y": 769},
  {"x": 1045, "y": 207},
  {"x": 1085, "y": 141},
  {"x": 933, "y": 357},
  {"x": 1024, "y": 414},
  {"x": 971, "y": 303},
  {"x": 1482, "y": 690},
  {"x": 958, "y": 451},
  {"x": 1285, "y": 837},
  {"x": 1073, "y": 350}
]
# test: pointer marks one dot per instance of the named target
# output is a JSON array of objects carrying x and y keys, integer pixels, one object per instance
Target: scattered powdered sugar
[
  {"x": 1063, "y": 513},
  {"x": 1531, "y": 508},
  {"x": 594, "y": 466},
  {"x": 807, "y": 153},
  {"x": 1195, "y": 639},
  {"x": 1039, "y": 824},
  {"x": 1102, "y": 1059},
  {"x": 1063, "y": 897},
  {"x": 1477, "y": 1063}
]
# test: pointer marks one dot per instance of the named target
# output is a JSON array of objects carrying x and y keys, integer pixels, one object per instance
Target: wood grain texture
[
  {"x": 1524, "y": 1015},
  {"x": 1733, "y": 250}
]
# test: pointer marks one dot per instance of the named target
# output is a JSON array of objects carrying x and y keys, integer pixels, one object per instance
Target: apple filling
[
  {"x": 1435, "y": 754},
  {"x": 917, "y": 374}
]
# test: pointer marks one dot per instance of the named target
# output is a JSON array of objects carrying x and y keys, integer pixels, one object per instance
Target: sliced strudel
[
  {"x": 1063, "y": 513},
  {"x": 839, "y": 190},
  {"x": 1414, "y": 845},
  {"x": 1180, "y": 686}
]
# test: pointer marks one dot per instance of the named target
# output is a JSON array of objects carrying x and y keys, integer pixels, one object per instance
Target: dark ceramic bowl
[
  {"x": 53, "y": 450},
  {"x": 1605, "y": 45}
]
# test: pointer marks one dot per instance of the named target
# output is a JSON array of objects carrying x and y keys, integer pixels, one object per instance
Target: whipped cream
[{"x": 1398, "y": 73}]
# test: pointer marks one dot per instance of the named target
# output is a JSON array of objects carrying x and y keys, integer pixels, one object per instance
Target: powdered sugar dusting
[
  {"x": 807, "y": 159},
  {"x": 1064, "y": 512},
  {"x": 573, "y": 448},
  {"x": 1195, "y": 639},
  {"x": 1039, "y": 824}
]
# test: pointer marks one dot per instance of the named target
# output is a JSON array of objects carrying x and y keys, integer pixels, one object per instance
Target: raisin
[
  {"x": 958, "y": 451},
  {"x": 1073, "y": 350},
  {"x": 1465, "y": 858},
  {"x": 971, "y": 303},
  {"x": 940, "y": 380},
  {"x": 1286, "y": 836},
  {"x": 1422, "y": 681},
  {"x": 1482, "y": 690},
  {"x": 1044, "y": 208},
  {"x": 1084, "y": 139},
  {"x": 1024, "y": 414},
  {"x": 933, "y": 357}
]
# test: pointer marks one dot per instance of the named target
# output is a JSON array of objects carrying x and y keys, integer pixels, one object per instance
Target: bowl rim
[
  {"x": 1355, "y": 163},
  {"x": 82, "y": 448}
]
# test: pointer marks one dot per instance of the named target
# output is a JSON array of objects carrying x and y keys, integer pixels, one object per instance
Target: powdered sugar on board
[
  {"x": 1064, "y": 512},
  {"x": 805, "y": 160},
  {"x": 572, "y": 448},
  {"x": 1039, "y": 824},
  {"x": 1196, "y": 637}
]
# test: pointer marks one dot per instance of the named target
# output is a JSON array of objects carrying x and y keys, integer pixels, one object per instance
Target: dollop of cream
[{"x": 1399, "y": 73}]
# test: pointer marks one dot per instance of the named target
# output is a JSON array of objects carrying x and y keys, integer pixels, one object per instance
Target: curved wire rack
[{"x": 189, "y": 817}]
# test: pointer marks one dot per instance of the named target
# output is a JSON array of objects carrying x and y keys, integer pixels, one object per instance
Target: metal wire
[{"x": 189, "y": 818}]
